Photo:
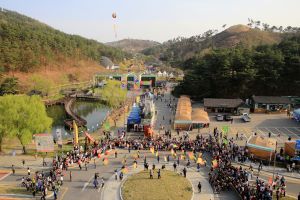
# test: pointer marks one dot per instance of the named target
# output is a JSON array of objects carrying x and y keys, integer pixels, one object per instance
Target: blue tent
[
  {"x": 296, "y": 115},
  {"x": 134, "y": 116}
]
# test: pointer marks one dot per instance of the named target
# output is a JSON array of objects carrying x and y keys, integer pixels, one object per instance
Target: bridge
[{"x": 69, "y": 122}]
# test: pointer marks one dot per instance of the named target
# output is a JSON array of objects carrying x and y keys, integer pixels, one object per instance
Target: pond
[{"x": 93, "y": 112}]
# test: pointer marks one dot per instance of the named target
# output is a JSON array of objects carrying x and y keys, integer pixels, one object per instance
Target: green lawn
[{"x": 171, "y": 186}]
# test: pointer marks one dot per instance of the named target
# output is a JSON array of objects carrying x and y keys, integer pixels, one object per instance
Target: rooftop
[
  {"x": 225, "y": 103},
  {"x": 271, "y": 99}
]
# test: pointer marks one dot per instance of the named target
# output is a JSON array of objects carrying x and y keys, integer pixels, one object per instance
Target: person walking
[
  {"x": 116, "y": 174},
  {"x": 28, "y": 171},
  {"x": 116, "y": 154},
  {"x": 175, "y": 166},
  {"x": 184, "y": 172},
  {"x": 70, "y": 176},
  {"x": 151, "y": 174},
  {"x": 158, "y": 174},
  {"x": 158, "y": 158},
  {"x": 13, "y": 169},
  {"x": 199, "y": 187}
]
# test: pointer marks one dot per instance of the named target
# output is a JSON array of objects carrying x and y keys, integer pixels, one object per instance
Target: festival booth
[
  {"x": 262, "y": 147},
  {"x": 296, "y": 115},
  {"x": 134, "y": 118},
  {"x": 183, "y": 116},
  {"x": 200, "y": 118},
  {"x": 290, "y": 148}
]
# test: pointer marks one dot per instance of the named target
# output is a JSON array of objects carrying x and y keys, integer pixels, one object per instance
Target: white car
[{"x": 220, "y": 117}]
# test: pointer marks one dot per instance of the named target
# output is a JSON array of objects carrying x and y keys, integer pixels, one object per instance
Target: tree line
[
  {"x": 26, "y": 44},
  {"x": 240, "y": 72}
]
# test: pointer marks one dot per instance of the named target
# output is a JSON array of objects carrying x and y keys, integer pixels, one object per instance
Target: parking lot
[{"x": 279, "y": 125}]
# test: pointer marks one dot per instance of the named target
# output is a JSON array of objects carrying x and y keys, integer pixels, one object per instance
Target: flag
[
  {"x": 105, "y": 161},
  {"x": 156, "y": 154},
  {"x": 201, "y": 161},
  {"x": 125, "y": 170},
  {"x": 89, "y": 136},
  {"x": 152, "y": 150},
  {"x": 106, "y": 125},
  {"x": 270, "y": 181},
  {"x": 75, "y": 129},
  {"x": 215, "y": 163},
  {"x": 165, "y": 158},
  {"x": 134, "y": 165},
  {"x": 182, "y": 157},
  {"x": 191, "y": 156},
  {"x": 225, "y": 141},
  {"x": 225, "y": 129},
  {"x": 172, "y": 152}
]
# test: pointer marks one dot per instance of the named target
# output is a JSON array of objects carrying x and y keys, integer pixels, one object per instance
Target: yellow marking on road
[{"x": 63, "y": 194}]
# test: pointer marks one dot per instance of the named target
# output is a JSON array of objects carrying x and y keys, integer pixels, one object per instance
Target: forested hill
[
  {"x": 27, "y": 44},
  {"x": 180, "y": 49},
  {"x": 239, "y": 72},
  {"x": 133, "y": 45}
]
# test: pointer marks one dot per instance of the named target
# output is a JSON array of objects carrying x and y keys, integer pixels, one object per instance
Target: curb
[{"x": 263, "y": 170}]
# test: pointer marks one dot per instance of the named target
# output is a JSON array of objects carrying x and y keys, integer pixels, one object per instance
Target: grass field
[
  {"x": 171, "y": 186},
  {"x": 12, "y": 189}
]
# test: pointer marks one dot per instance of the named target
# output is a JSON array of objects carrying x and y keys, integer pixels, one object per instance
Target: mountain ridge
[{"x": 133, "y": 45}]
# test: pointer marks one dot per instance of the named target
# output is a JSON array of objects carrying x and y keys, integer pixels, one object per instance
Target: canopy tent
[
  {"x": 199, "y": 116},
  {"x": 183, "y": 116},
  {"x": 290, "y": 148},
  {"x": 296, "y": 115},
  {"x": 134, "y": 116},
  {"x": 262, "y": 147}
]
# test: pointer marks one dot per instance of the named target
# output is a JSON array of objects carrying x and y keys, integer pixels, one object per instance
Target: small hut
[{"x": 262, "y": 147}]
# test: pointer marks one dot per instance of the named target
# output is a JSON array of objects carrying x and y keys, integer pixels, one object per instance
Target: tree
[
  {"x": 9, "y": 86},
  {"x": 41, "y": 84},
  {"x": 112, "y": 93},
  {"x": 21, "y": 117}
]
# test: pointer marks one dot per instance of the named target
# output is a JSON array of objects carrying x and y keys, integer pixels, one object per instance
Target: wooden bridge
[{"x": 69, "y": 122}]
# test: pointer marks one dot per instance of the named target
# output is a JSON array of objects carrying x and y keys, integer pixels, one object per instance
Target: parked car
[
  {"x": 246, "y": 117},
  {"x": 220, "y": 117},
  {"x": 228, "y": 118}
]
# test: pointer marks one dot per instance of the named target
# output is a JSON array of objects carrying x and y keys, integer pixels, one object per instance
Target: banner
[
  {"x": 225, "y": 129},
  {"x": 106, "y": 126},
  {"x": 59, "y": 138},
  {"x": 75, "y": 129},
  {"x": 89, "y": 136},
  {"x": 44, "y": 142}
]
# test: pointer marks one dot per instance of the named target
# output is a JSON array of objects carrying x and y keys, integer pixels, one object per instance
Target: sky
[{"x": 157, "y": 20}]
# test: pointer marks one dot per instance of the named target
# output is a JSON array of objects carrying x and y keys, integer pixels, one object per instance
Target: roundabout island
[{"x": 171, "y": 185}]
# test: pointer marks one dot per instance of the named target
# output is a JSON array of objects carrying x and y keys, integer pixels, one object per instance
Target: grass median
[{"x": 171, "y": 186}]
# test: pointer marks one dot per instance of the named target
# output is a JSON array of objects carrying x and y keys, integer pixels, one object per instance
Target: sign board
[
  {"x": 298, "y": 145},
  {"x": 44, "y": 142},
  {"x": 59, "y": 138}
]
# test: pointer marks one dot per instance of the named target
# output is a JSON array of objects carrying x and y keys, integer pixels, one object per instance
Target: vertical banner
[
  {"x": 225, "y": 129},
  {"x": 59, "y": 138},
  {"x": 75, "y": 129}
]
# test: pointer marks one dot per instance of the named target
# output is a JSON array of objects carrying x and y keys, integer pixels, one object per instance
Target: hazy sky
[{"x": 158, "y": 20}]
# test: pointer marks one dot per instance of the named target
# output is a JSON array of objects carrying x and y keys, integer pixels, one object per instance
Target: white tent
[
  {"x": 165, "y": 74},
  {"x": 159, "y": 73},
  {"x": 171, "y": 75}
]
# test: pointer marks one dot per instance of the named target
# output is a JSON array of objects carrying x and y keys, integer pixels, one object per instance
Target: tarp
[{"x": 298, "y": 144}]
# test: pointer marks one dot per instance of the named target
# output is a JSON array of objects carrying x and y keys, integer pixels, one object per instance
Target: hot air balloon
[{"x": 114, "y": 16}]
